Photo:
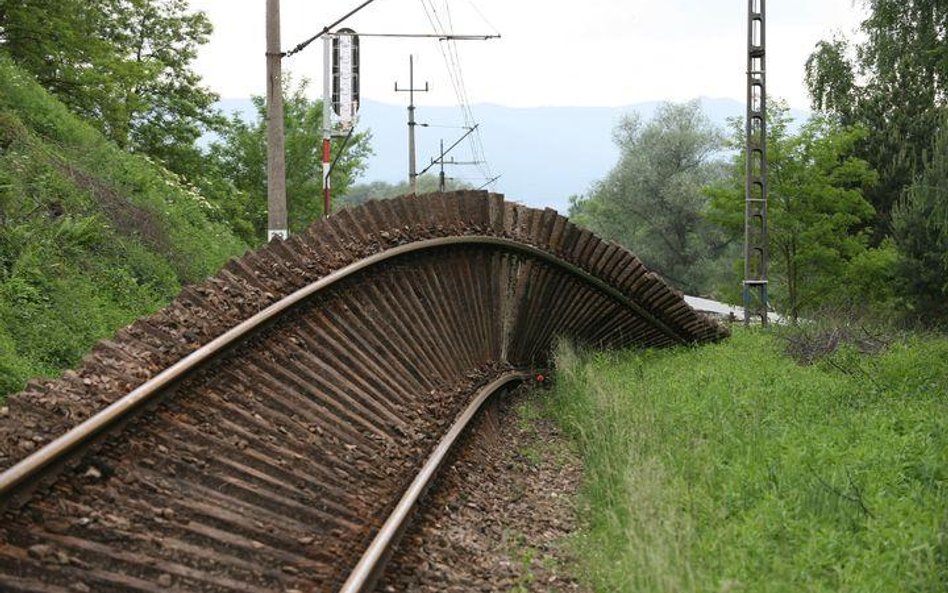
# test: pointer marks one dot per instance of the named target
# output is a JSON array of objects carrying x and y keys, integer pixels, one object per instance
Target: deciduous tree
[
  {"x": 126, "y": 65},
  {"x": 894, "y": 84},
  {"x": 380, "y": 190},
  {"x": 241, "y": 156},
  {"x": 815, "y": 209},
  {"x": 652, "y": 200}
]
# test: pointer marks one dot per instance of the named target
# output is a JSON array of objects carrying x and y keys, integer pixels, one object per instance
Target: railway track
[{"x": 257, "y": 434}]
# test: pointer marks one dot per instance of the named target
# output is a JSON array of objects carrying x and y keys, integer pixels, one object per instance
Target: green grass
[
  {"x": 732, "y": 468},
  {"x": 91, "y": 237}
]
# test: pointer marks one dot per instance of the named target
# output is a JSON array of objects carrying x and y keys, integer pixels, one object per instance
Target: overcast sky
[{"x": 591, "y": 53}]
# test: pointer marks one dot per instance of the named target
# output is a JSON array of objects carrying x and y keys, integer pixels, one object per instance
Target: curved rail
[
  {"x": 54, "y": 451},
  {"x": 300, "y": 391},
  {"x": 372, "y": 562}
]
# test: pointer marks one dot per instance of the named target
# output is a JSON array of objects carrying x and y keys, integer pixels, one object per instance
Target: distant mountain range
[{"x": 544, "y": 154}]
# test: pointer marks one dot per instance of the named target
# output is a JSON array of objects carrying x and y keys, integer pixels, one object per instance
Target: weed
[
  {"x": 524, "y": 555},
  {"x": 731, "y": 467},
  {"x": 91, "y": 237},
  {"x": 531, "y": 454},
  {"x": 527, "y": 413}
]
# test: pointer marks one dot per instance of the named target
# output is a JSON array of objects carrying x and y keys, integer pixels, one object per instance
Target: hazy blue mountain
[{"x": 544, "y": 154}]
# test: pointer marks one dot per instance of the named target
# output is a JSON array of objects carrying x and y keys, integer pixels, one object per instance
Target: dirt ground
[{"x": 499, "y": 517}]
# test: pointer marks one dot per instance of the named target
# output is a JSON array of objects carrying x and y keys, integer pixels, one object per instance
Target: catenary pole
[
  {"x": 441, "y": 174},
  {"x": 756, "y": 184},
  {"x": 276, "y": 158},
  {"x": 411, "y": 90},
  {"x": 449, "y": 149}
]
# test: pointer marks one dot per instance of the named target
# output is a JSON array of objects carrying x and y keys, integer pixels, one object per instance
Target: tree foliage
[
  {"x": 652, "y": 200},
  {"x": 893, "y": 83},
  {"x": 380, "y": 190},
  {"x": 920, "y": 228},
  {"x": 241, "y": 156},
  {"x": 126, "y": 65},
  {"x": 815, "y": 208}
]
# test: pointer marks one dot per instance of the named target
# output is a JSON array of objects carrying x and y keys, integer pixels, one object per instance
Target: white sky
[{"x": 589, "y": 53}]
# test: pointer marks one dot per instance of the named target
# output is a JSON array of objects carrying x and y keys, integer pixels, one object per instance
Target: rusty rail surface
[{"x": 256, "y": 434}]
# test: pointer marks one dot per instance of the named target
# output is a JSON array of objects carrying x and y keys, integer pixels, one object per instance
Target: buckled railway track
[{"x": 257, "y": 434}]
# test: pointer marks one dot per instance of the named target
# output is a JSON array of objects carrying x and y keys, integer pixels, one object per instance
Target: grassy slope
[
  {"x": 91, "y": 237},
  {"x": 731, "y": 468}
]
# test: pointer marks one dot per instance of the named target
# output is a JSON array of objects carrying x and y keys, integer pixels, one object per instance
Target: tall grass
[{"x": 732, "y": 468}]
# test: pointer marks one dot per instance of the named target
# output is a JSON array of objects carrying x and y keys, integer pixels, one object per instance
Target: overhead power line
[
  {"x": 452, "y": 61},
  {"x": 439, "y": 37},
  {"x": 450, "y": 148},
  {"x": 484, "y": 18},
  {"x": 489, "y": 182},
  {"x": 301, "y": 46}
]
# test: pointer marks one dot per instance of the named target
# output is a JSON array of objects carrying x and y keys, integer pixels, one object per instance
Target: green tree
[
  {"x": 893, "y": 83},
  {"x": 163, "y": 108},
  {"x": 815, "y": 209},
  {"x": 62, "y": 43},
  {"x": 920, "y": 230},
  {"x": 241, "y": 156},
  {"x": 126, "y": 65},
  {"x": 380, "y": 190},
  {"x": 652, "y": 200}
]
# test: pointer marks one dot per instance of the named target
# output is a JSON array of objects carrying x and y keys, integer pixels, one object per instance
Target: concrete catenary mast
[
  {"x": 411, "y": 90},
  {"x": 276, "y": 159}
]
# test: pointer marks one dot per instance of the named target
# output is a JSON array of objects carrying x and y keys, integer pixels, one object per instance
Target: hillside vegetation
[
  {"x": 91, "y": 237},
  {"x": 733, "y": 467}
]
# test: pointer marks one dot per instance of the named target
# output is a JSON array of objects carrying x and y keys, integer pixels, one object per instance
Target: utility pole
[
  {"x": 411, "y": 90},
  {"x": 276, "y": 158},
  {"x": 441, "y": 174},
  {"x": 755, "y": 198},
  {"x": 440, "y": 160}
]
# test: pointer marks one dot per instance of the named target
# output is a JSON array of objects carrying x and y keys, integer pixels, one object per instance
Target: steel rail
[
  {"x": 368, "y": 569},
  {"x": 81, "y": 434}
]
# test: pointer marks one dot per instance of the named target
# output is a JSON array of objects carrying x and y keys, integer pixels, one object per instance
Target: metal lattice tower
[{"x": 755, "y": 202}]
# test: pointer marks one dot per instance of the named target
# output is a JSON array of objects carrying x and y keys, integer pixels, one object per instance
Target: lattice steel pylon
[{"x": 755, "y": 200}]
